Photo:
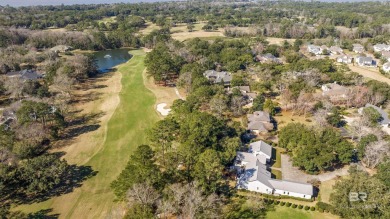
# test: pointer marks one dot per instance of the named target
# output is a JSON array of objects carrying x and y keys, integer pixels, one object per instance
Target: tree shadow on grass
[
  {"x": 72, "y": 179},
  {"x": 43, "y": 214}
]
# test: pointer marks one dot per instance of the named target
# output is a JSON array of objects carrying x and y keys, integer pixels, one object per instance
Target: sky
[{"x": 17, "y": 3}]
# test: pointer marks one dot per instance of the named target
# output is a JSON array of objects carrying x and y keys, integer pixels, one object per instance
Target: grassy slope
[
  {"x": 291, "y": 213},
  {"x": 126, "y": 130}
]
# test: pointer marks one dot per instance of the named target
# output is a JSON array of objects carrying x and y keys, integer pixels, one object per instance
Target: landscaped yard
[
  {"x": 282, "y": 212},
  {"x": 125, "y": 131},
  {"x": 277, "y": 160}
]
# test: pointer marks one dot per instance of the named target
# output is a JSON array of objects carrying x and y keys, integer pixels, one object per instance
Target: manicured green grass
[
  {"x": 276, "y": 173},
  {"x": 126, "y": 130},
  {"x": 282, "y": 212},
  {"x": 277, "y": 160}
]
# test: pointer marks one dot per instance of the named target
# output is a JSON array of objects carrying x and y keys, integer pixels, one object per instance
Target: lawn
[
  {"x": 125, "y": 131},
  {"x": 277, "y": 160},
  {"x": 294, "y": 213},
  {"x": 277, "y": 174},
  {"x": 326, "y": 188}
]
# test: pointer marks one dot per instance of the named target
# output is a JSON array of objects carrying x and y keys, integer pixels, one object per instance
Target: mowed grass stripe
[{"x": 125, "y": 131}]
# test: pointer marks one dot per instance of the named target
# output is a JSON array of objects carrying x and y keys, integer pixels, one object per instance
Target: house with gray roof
[
  {"x": 246, "y": 93},
  {"x": 365, "y": 61},
  {"x": 357, "y": 48},
  {"x": 335, "y": 50},
  {"x": 267, "y": 58},
  {"x": 261, "y": 148},
  {"x": 61, "y": 48},
  {"x": 381, "y": 47},
  {"x": 316, "y": 50},
  {"x": 254, "y": 175},
  {"x": 259, "y": 121},
  {"x": 25, "y": 75},
  {"x": 344, "y": 59},
  {"x": 335, "y": 92},
  {"x": 218, "y": 76}
]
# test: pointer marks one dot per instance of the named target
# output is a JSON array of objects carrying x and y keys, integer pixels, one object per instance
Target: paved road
[{"x": 369, "y": 73}]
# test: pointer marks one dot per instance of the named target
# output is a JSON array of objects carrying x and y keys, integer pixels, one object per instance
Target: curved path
[{"x": 126, "y": 130}]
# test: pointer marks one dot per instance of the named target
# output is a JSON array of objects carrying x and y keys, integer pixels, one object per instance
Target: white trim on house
[{"x": 254, "y": 175}]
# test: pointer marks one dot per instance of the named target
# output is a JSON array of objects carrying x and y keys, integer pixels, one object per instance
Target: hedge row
[{"x": 289, "y": 204}]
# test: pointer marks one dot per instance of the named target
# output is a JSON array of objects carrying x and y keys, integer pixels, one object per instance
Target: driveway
[{"x": 294, "y": 174}]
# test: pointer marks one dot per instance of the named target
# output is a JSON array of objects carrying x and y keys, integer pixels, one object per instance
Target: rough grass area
[
  {"x": 149, "y": 28},
  {"x": 282, "y": 212},
  {"x": 326, "y": 189},
  {"x": 288, "y": 117},
  {"x": 125, "y": 131}
]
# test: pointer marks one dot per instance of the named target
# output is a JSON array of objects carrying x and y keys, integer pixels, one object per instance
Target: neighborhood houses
[{"x": 253, "y": 174}]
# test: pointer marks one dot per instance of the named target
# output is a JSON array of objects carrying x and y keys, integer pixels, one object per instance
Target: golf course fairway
[{"x": 124, "y": 132}]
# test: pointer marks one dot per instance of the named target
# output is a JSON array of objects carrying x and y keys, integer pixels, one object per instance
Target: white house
[
  {"x": 386, "y": 67},
  {"x": 358, "y": 48},
  {"x": 345, "y": 59},
  {"x": 381, "y": 47},
  {"x": 365, "y": 61},
  {"x": 254, "y": 174},
  {"x": 316, "y": 50},
  {"x": 335, "y": 50}
]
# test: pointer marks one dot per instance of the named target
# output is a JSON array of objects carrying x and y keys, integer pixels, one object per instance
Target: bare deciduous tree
[
  {"x": 218, "y": 106},
  {"x": 375, "y": 153},
  {"x": 185, "y": 81},
  {"x": 187, "y": 201},
  {"x": 63, "y": 84},
  {"x": 14, "y": 87},
  {"x": 142, "y": 193},
  {"x": 236, "y": 105}
]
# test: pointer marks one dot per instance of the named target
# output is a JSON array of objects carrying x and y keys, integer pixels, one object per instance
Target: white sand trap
[{"x": 161, "y": 109}]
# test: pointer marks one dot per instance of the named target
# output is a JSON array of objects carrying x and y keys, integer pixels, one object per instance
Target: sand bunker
[{"x": 161, "y": 109}]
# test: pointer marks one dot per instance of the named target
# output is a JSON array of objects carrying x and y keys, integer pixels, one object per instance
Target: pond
[{"x": 108, "y": 59}]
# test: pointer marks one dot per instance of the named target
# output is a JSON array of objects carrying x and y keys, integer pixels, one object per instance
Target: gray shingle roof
[
  {"x": 25, "y": 74},
  {"x": 260, "y": 116},
  {"x": 262, "y": 147},
  {"x": 218, "y": 76}
]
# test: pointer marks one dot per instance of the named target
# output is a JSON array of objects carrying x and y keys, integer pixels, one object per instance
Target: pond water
[{"x": 108, "y": 59}]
